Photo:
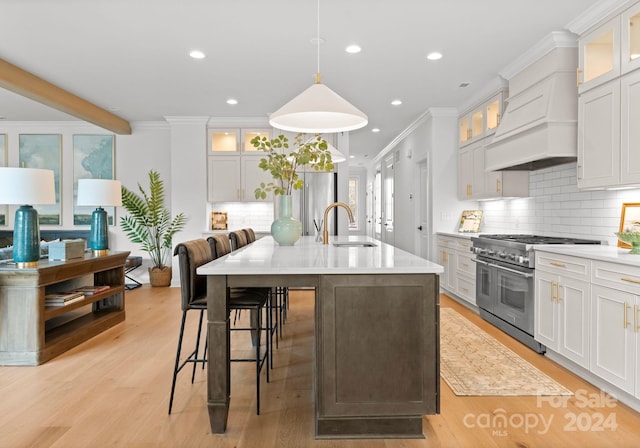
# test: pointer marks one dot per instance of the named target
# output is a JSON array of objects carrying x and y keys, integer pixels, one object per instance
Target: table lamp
[
  {"x": 99, "y": 192},
  {"x": 22, "y": 186}
]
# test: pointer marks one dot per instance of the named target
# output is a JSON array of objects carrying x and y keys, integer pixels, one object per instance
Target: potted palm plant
[
  {"x": 283, "y": 165},
  {"x": 150, "y": 224}
]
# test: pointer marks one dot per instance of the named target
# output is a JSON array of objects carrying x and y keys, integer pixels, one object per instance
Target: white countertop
[
  {"x": 466, "y": 235},
  {"x": 307, "y": 256},
  {"x": 594, "y": 252}
]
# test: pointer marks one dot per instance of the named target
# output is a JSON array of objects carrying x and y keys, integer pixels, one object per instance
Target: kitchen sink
[{"x": 354, "y": 244}]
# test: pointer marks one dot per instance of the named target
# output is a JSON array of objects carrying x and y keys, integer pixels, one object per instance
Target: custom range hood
[{"x": 539, "y": 125}]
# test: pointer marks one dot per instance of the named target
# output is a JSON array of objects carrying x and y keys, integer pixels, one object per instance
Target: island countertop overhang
[{"x": 307, "y": 256}]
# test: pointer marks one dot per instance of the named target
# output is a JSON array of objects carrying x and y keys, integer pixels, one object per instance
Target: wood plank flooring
[{"x": 113, "y": 391}]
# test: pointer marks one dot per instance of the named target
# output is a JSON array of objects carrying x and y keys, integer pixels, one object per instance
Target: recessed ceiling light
[
  {"x": 196, "y": 54},
  {"x": 375, "y": 130},
  {"x": 434, "y": 56},
  {"x": 352, "y": 157},
  {"x": 232, "y": 101},
  {"x": 396, "y": 102},
  {"x": 353, "y": 49}
]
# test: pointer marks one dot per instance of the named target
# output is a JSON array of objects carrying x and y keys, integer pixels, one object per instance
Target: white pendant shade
[
  {"x": 99, "y": 192},
  {"x": 27, "y": 186},
  {"x": 318, "y": 110}
]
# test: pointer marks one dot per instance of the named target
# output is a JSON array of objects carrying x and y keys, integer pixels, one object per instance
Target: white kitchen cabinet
[
  {"x": 476, "y": 183},
  {"x": 608, "y": 134},
  {"x": 459, "y": 278},
  {"x": 615, "y": 349},
  {"x": 562, "y": 305},
  {"x": 481, "y": 120},
  {"x": 609, "y": 103},
  {"x": 630, "y": 40},
  {"x": 599, "y": 136},
  {"x": 629, "y": 129},
  {"x": 232, "y": 165},
  {"x": 234, "y": 178},
  {"x": 599, "y": 55}
]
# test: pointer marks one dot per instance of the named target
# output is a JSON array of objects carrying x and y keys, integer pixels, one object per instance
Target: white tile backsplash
[
  {"x": 557, "y": 207},
  {"x": 257, "y": 215}
]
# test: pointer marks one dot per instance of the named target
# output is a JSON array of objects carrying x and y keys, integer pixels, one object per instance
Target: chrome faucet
[{"x": 325, "y": 232}]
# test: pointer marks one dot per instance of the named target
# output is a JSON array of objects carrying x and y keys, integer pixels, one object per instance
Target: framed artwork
[
  {"x": 43, "y": 151},
  {"x": 3, "y": 162},
  {"x": 93, "y": 158},
  {"x": 470, "y": 221},
  {"x": 219, "y": 221},
  {"x": 629, "y": 220}
]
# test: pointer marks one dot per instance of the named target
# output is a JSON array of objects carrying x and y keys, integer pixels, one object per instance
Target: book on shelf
[
  {"x": 91, "y": 290},
  {"x": 62, "y": 298}
]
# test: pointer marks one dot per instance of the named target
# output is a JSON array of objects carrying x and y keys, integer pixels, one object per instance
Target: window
[{"x": 353, "y": 201}]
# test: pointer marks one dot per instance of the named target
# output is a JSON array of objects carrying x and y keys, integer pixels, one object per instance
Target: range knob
[
  {"x": 491, "y": 252},
  {"x": 502, "y": 255},
  {"x": 523, "y": 260},
  {"x": 511, "y": 257}
]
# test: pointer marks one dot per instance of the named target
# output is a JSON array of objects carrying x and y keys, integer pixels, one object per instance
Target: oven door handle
[{"x": 523, "y": 274}]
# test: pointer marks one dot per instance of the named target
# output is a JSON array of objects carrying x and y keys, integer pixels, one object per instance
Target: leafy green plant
[
  {"x": 149, "y": 223},
  {"x": 283, "y": 165}
]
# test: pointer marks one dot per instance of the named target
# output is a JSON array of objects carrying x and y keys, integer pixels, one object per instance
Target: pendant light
[{"x": 318, "y": 109}]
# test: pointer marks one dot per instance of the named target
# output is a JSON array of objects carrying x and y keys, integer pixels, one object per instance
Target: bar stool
[
  {"x": 193, "y": 254},
  {"x": 222, "y": 245}
]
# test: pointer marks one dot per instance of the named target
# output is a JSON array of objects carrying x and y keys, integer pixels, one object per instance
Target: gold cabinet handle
[
  {"x": 626, "y": 323},
  {"x": 578, "y": 71},
  {"x": 630, "y": 280},
  {"x": 635, "y": 318},
  {"x": 465, "y": 290},
  {"x": 497, "y": 119},
  {"x": 560, "y": 265},
  {"x": 497, "y": 185},
  {"x": 554, "y": 291}
]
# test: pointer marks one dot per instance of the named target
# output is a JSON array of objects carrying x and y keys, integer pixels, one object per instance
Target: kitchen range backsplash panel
[{"x": 557, "y": 208}]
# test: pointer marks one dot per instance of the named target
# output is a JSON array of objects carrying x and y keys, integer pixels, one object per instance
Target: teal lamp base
[
  {"x": 99, "y": 235},
  {"x": 26, "y": 237}
]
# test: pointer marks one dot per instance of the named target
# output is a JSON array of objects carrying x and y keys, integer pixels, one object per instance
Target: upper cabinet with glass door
[
  {"x": 599, "y": 55},
  {"x": 630, "y": 42},
  {"x": 481, "y": 121},
  {"x": 234, "y": 141}
]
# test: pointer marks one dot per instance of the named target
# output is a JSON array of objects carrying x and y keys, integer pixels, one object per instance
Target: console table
[{"x": 31, "y": 333}]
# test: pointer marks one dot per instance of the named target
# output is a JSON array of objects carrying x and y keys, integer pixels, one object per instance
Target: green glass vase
[{"x": 286, "y": 230}]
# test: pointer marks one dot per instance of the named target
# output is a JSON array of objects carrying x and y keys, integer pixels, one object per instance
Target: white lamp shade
[
  {"x": 99, "y": 192},
  {"x": 316, "y": 110},
  {"x": 26, "y": 186}
]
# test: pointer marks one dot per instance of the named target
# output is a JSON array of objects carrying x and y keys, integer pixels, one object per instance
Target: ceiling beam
[{"x": 27, "y": 84}]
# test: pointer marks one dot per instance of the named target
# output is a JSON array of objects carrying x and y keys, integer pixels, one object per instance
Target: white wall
[{"x": 557, "y": 208}]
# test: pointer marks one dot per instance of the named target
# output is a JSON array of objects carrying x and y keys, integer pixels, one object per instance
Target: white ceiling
[{"x": 131, "y": 56}]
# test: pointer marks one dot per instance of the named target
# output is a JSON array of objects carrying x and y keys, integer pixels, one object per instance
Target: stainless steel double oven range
[{"x": 505, "y": 281}]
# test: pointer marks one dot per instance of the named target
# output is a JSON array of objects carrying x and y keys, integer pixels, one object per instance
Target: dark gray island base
[{"x": 376, "y": 351}]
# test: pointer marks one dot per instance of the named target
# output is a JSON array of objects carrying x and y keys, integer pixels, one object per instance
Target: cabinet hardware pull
[
  {"x": 558, "y": 298},
  {"x": 560, "y": 265},
  {"x": 497, "y": 185},
  {"x": 630, "y": 280},
  {"x": 465, "y": 290},
  {"x": 498, "y": 119},
  {"x": 553, "y": 291},
  {"x": 625, "y": 315},
  {"x": 635, "y": 318},
  {"x": 578, "y": 71}
]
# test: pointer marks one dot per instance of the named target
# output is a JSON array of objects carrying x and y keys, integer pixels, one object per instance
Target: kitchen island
[{"x": 376, "y": 369}]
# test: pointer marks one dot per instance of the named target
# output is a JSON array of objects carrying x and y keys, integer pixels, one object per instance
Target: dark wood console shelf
[{"x": 30, "y": 333}]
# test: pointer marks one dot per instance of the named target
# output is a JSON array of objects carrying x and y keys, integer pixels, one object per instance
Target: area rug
[{"x": 472, "y": 362}]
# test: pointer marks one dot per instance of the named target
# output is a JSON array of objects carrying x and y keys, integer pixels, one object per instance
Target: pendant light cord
[{"x": 318, "y": 43}]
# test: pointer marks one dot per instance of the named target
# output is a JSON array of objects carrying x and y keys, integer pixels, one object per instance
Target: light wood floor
[{"x": 114, "y": 389}]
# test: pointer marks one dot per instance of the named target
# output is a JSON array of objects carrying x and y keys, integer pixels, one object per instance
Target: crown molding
[
  {"x": 553, "y": 40},
  {"x": 450, "y": 112},
  {"x": 597, "y": 13},
  {"x": 238, "y": 121},
  {"x": 184, "y": 120},
  {"x": 487, "y": 91}
]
